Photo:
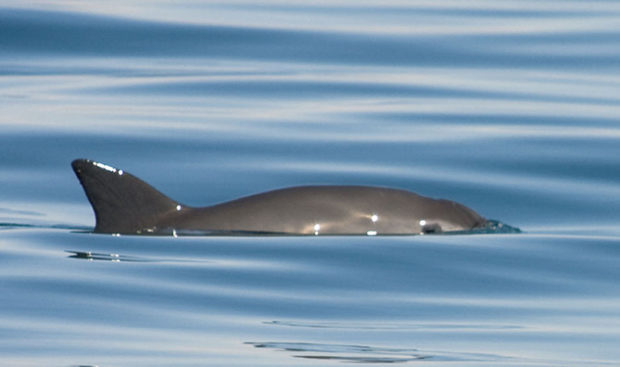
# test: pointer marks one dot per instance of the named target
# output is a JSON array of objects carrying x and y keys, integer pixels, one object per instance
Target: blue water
[{"x": 511, "y": 108}]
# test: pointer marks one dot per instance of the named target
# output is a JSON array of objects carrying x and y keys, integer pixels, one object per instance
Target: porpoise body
[{"x": 125, "y": 204}]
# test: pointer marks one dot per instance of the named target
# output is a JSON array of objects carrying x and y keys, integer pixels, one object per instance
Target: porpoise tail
[{"x": 122, "y": 202}]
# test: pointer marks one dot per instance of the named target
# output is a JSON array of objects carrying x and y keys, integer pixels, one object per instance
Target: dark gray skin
[{"x": 125, "y": 204}]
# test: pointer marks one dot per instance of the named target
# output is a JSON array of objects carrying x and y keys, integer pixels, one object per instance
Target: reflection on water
[
  {"x": 346, "y": 353},
  {"x": 370, "y": 354},
  {"x": 92, "y": 256}
]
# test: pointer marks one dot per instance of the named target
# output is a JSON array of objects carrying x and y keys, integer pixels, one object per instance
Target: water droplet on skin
[
  {"x": 104, "y": 167},
  {"x": 317, "y": 228}
]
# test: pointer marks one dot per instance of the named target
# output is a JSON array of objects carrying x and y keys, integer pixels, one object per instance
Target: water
[{"x": 508, "y": 107}]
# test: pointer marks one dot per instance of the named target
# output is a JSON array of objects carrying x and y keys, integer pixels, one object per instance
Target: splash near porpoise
[{"x": 124, "y": 204}]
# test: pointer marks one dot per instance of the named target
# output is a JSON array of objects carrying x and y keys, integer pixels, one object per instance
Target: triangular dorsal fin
[{"x": 122, "y": 202}]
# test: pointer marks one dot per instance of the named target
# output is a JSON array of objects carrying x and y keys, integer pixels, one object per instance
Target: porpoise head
[{"x": 448, "y": 216}]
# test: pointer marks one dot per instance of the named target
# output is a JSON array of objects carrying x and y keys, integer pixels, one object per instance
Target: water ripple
[
  {"x": 63, "y": 33},
  {"x": 371, "y": 354}
]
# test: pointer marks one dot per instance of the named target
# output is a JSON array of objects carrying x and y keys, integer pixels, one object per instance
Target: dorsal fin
[{"x": 122, "y": 202}]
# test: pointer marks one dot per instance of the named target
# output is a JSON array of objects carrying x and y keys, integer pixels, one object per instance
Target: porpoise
[{"x": 124, "y": 204}]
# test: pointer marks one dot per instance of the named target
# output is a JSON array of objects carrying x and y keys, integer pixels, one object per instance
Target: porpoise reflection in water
[{"x": 125, "y": 204}]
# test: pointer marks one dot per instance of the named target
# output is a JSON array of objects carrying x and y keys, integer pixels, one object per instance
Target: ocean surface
[{"x": 509, "y": 107}]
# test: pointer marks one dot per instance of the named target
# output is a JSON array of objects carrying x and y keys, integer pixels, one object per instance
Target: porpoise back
[{"x": 127, "y": 205}]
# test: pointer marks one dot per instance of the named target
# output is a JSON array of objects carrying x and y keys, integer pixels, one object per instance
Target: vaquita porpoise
[{"x": 124, "y": 204}]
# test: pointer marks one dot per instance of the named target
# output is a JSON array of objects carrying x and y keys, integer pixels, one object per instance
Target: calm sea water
[{"x": 511, "y": 108}]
